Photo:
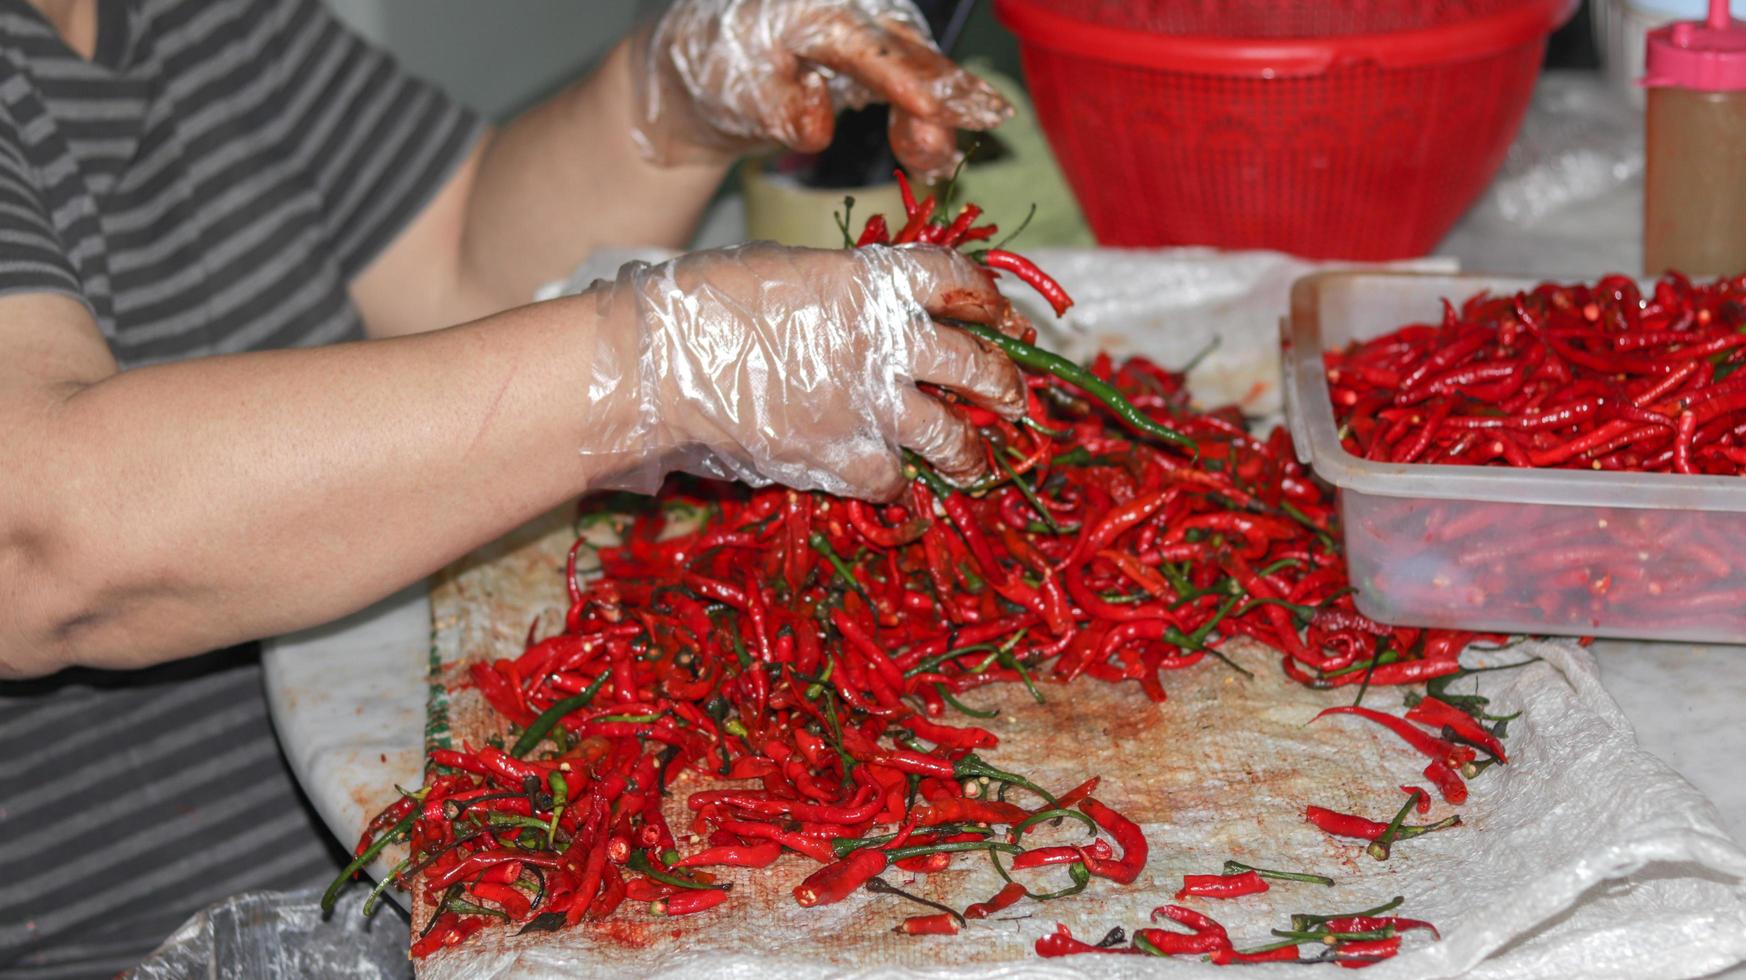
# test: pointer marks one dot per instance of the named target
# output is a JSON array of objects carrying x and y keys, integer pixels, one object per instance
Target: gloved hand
[
  {"x": 766, "y": 363},
  {"x": 717, "y": 78}
]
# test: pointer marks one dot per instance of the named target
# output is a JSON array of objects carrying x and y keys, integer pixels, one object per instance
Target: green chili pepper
[
  {"x": 530, "y": 739},
  {"x": 402, "y": 826},
  {"x": 639, "y": 862},
  {"x": 1038, "y": 359}
]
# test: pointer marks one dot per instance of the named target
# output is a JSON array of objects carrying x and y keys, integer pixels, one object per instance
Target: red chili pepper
[
  {"x": 511, "y": 901},
  {"x": 640, "y": 889},
  {"x": 1343, "y": 824},
  {"x": 1364, "y": 953},
  {"x": 874, "y": 233},
  {"x": 689, "y": 901},
  {"x": 450, "y": 930},
  {"x": 1032, "y": 276},
  {"x": 735, "y": 856},
  {"x": 926, "y": 864},
  {"x": 1370, "y": 923},
  {"x": 954, "y": 233},
  {"x": 938, "y": 924},
  {"x": 903, "y": 189},
  {"x": 951, "y": 736},
  {"x": 1042, "y": 857},
  {"x": 1448, "y": 783},
  {"x": 1003, "y": 899},
  {"x": 1061, "y": 943},
  {"x": 966, "y": 810},
  {"x": 1169, "y": 943},
  {"x": 834, "y": 882},
  {"x": 1421, "y": 799},
  {"x": 1221, "y": 886},
  {"x": 1430, "y": 746},
  {"x": 1283, "y": 954},
  {"x": 1439, "y": 714},
  {"x": 1128, "y": 836},
  {"x": 1209, "y": 931}
]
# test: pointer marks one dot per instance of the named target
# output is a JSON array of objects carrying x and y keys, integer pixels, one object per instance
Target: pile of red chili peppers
[
  {"x": 1595, "y": 377},
  {"x": 807, "y": 649},
  {"x": 1590, "y": 377}
]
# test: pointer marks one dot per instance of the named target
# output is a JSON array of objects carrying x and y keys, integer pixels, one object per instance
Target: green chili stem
[
  {"x": 1056, "y": 814},
  {"x": 1295, "y": 514},
  {"x": 1200, "y": 355},
  {"x": 465, "y": 907},
  {"x": 1012, "y": 663},
  {"x": 1378, "y": 848},
  {"x": 1076, "y": 871},
  {"x": 923, "y": 850},
  {"x": 973, "y": 766},
  {"x": 823, "y": 546},
  {"x": 515, "y": 820},
  {"x": 842, "y": 220},
  {"x": 1030, "y": 495},
  {"x": 844, "y": 846},
  {"x": 1237, "y": 867},
  {"x": 1276, "y": 566},
  {"x": 1330, "y": 938},
  {"x": 879, "y": 886},
  {"x": 947, "y": 696},
  {"x": 1270, "y": 947},
  {"x": 1303, "y": 613},
  {"x": 1386, "y": 656},
  {"x": 926, "y": 474},
  {"x": 1303, "y": 922},
  {"x": 382, "y": 886},
  {"x": 1016, "y": 231},
  {"x": 932, "y": 662}
]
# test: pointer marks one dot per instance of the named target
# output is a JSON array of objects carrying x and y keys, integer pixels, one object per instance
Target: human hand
[
  {"x": 717, "y": 78},
  {"x": 766, "y": 363}
]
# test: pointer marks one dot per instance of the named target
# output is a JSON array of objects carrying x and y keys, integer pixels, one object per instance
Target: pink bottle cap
[{"x": 1708, "y": 55}]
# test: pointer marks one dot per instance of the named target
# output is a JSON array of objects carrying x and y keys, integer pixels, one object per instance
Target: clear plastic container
[{"x": 1500, "y": 549}]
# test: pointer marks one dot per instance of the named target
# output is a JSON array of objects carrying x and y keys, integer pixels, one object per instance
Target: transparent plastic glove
[
  {"x": 766, "y": 363},
  {"x": 718, "y": 78}
]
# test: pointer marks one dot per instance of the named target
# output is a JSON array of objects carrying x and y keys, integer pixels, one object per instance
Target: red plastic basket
[{"x": 1356, "y": 130}]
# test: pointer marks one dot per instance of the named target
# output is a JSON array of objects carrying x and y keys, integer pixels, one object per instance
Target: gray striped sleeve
[
  {"x": 379, "y": 142},
  {"x": 32, "y": 258}
]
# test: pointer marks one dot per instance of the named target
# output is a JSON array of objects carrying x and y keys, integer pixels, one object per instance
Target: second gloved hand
[
  {"x": 798, "y": 366},
  {"x": 717, "y": 78}
]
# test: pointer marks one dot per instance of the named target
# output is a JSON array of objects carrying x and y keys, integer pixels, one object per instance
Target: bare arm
[
  {"x": 165, "y": 510},
  {"x": 530, "y": 203}
]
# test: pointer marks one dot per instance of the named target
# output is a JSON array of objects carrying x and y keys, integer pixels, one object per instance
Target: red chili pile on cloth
[
  {"x": 1590, "y": 377},
  {"x": 816, "y": 647}
]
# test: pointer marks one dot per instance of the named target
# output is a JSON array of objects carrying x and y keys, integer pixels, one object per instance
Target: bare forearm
[
  {"x": 182, "y": 507},
  {"x": 565, "y": 178}
]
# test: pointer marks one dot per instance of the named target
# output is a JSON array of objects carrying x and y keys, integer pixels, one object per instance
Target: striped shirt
[{"x": 208, "y": 182}]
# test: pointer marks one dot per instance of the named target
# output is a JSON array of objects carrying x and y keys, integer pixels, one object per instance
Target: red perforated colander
[{"x": 1359, "y": 129}]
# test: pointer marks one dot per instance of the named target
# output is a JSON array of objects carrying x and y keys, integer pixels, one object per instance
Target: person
[{"x": 267, "y": 355}]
